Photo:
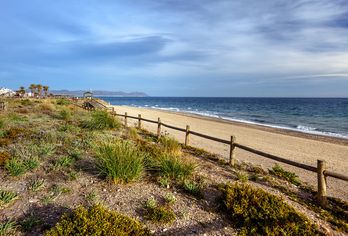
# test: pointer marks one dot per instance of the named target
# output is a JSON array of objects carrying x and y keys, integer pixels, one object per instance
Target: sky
[{"x": 231, "y": 48}]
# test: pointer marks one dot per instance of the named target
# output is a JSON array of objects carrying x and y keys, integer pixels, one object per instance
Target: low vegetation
[
  {"x": 7, "y": 227},
  {"x": 257, "y": 212},
  {"x": 159, "y": 213},
  {"x": 170, "y": 145},
  {"x": 58, "y": 157},
  {"x": 175, "y": 168},
  {"x": 101, "y": 120},
  {"x": 97, "y": 220},
  {"x": 119, "y": 160},
  {"x": 6, "y": 197},
  {"x": 277, "y": 170}
]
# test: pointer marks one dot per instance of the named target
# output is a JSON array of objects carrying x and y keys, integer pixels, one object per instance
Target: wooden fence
[
  {"x": 2, "y": 106},
  {"x": 320, "y": 169}
]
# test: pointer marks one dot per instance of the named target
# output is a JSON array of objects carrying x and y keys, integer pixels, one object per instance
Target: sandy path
[{"x": 294, "y": 147}]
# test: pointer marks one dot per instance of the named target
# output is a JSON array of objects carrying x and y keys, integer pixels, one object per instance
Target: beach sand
[{"x": 300, "y": 147}]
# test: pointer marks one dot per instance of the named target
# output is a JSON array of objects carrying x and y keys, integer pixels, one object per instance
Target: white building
[{"x": 5, "y": 92}]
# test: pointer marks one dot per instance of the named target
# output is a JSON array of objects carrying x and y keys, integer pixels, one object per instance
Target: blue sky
[{"x": 178, "y": 48}]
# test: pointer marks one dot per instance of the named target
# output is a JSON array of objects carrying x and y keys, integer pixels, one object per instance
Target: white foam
[{"x": 299, "y": 128}]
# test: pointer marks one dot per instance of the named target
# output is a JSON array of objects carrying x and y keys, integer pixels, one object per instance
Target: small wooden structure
[
  {"x": 88, "y": 106},
  {"x": 2, "y": 106},
  {"x": 88, "y": 95}
]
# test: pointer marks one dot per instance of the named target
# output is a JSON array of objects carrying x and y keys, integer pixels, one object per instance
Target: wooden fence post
[
  {"x": 232, "y": 153},
  {"x": 187, "y": 138},
  {"x": 322, "y": 200},
  {"x": 139, "y": 121},
  {"x": 125, "y": 119},
  {"x": 113, "y": 111},
  {"x": 159, "y": 128}
]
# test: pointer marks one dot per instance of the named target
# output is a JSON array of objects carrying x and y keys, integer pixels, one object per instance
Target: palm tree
[
  {"x": 21, "y": 91},
  {"x": 39, "y": 90},
  {"x": 45, "y": 88},
  {"x": 32, "y": 88}
]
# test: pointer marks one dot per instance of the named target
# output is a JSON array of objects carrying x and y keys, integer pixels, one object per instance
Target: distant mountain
[{"x": 99, "y": 93}]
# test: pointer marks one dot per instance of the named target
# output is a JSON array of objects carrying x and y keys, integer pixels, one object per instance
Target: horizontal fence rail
[
  {"x": 276, "y": 158},
  {"x": 210, "y": 137},
  {"x": 321, "y": 171}
]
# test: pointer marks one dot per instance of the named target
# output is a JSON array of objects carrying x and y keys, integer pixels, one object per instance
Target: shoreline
[
  {"x": 279, "y": 130},
  {"x": 291, "y": 145}
]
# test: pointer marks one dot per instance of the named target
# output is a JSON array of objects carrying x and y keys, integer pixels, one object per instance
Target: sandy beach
[{"x": 304, "y": 148}]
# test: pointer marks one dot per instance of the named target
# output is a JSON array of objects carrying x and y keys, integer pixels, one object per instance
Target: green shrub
[
  {"x": 164, "y": 182},
  {"x": 170, "y": 198},
  {"x": 119, "y": 161},
  {"x": 175, "y": 168},
  {"x": 291, "y": 177},
  {"x": 2, "y": 123},
  {"x": 158, "y": 213},
  {"x": 170, "y": 145},
  {"x": 6, "y": 197},
  {"x": 194, "y": 188},
  {"x": 97, "y": 221},
  {"x": 258, "y": 212},
  {"x": 101, "y": 120},
  {"x": 242, "y": 176}
]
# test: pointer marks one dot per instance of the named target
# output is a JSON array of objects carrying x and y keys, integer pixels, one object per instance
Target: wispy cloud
[{"x": 156, "y": 45}]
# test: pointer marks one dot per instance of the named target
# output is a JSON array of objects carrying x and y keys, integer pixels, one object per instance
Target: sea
[{"x": 321, "y": 116}]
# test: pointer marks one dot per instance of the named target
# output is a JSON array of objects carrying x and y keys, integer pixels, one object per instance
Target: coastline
[
  {"x": 292, "y": 145},
  {"x": 269, "y": 128}
]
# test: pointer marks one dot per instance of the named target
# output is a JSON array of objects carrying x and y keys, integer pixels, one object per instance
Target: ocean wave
[{"x": 298, "y": 128}]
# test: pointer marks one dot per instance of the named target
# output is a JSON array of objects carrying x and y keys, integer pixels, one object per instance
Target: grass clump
[
  {"x": 101, "y": 120},
  {"x": 97, "y": 220},
  {"x": 63, "y": 102},
  {"x": 132, "y": 133},
  {"x": 175, "y": 168},
  {"x": 7, "y": 228},
  {"x": 36, "y": 184},
  {"x": 158, "y": 213},
  {"x": 291, "y": 177},
  {"x": 258, "y": 212},
  {"x": 120, "y": 161},
  {"x": 31, "y": 221},
  {"x": 2, "y": 123},
  {"x": 7, "y": 197},
  {"x": 194, "y": 187},
  {"x": 65, "y": 115},
  {"x": 170, "y": 145},
  {"x": 63, "y": 162},
  {"x": 15, "y": 167},
  {"x": 47, "y": 107}
]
